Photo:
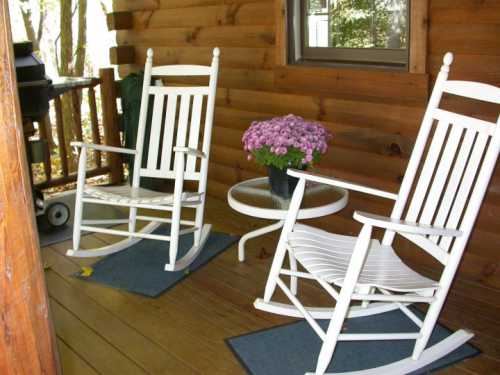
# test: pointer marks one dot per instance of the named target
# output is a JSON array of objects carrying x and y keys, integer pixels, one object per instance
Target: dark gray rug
[
  {"x": 293, "y": 349},
  {"x": 49, "y": 236},
  {"x": 141, "y": 268}
]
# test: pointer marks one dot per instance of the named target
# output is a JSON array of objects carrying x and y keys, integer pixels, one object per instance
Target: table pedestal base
[{"x": 256, "y": 233}]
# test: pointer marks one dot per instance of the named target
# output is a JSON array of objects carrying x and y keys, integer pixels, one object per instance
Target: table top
[{"x": 254, "y": 198}]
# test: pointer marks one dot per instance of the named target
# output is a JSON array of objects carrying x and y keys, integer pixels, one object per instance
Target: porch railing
[{"x": 107, "y": 120}]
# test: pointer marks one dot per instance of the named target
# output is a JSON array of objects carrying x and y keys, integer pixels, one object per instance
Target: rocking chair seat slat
[
  {"x": 128, "y": 194},
  {"x": 327, "y": 256}
]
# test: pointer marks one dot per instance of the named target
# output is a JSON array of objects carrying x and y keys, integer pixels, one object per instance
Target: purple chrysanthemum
[{"x": 280, "y": 134}]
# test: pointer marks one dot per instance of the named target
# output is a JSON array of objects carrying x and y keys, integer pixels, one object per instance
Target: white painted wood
[
  {"x": 113, "y": 248},
  {"x": 117, "y": 232},
  {"x": 194, "y": 131},
  {"x": 168, "y": 134},
  {"x": 409, "y": 365},
  {"x": 454, "y": 164},
  {"x": 454, "y": 181},
  {"x": 427, "y": 172},
  {"x": 170, "y": 175},
  {"x": 182, "y": 126},
  {"x": 104, "y": 148},
  {"x": 128, "y": 194},
  {"x": 403, "y": 225},
  {"x": 427, "y": 244},
  {"x": 447, "y": 157},
  {"x": 341, "y": 183},
  {"x": 478, "y": 125},
  {"x": 105, "y": 222},
  {"x": 191, "y": 152},
  {"x": 158, "y": 165},
  {"x": 156, "y": 125},
  {"x": 290, "y": 310},
  {"x": 80, "y": 183},
  {"x": 473, "y": 90},
  {"x": 181, "y": 70},
  {"x": 179, "y": 91},
  {"x": 465, "y": 186},
  {"x": 163, "y": 220},
  {"x": 418, "y": 148},
  {"x": 190, "y": 256},
  {"x": 327, "y": 256}
]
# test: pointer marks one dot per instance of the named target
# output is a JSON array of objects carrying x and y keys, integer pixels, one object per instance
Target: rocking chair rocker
[
  {"x": 440, "y": 216},
  {"x": 166, "y": 123}
]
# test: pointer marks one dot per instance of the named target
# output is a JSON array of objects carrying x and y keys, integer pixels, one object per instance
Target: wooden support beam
[
  {"x": 119, "y": 21},
  {"x": 27, "y": 341},
  {"x": 110, "y": 122},
  {"x": 63, "y": 153},
  {"x": 418, "y": 36},
  {"x": 281, "y": 32},
  {"x": 122, "y": 55}
]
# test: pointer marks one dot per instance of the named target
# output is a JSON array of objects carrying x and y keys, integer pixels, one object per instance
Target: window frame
[{"x": 289, "y": 47}]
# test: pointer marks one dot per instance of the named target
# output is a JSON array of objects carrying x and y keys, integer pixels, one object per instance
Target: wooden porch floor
[{"x": 106, "y": 331}]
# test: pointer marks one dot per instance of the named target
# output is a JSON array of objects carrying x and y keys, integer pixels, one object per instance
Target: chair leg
[
  {"x": 132, "y": 219},
  {"x": 344, "y": 301},
  {"x": 293, "y": 279},
  {"x": 366, "y": 290},
  {"x": 281, "y": 249},
  {"x": 199, "y": 223},
  {"x": 174, "y": 234},
  {"x": 430, "y": 321},
  {"x": 77, "y": 220},
  {"x": 278, "y": 260}
]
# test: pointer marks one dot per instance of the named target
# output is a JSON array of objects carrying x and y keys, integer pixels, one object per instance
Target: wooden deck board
[
  {"x": 71, "y": 362},
  {"x": 104, "y": 330}
]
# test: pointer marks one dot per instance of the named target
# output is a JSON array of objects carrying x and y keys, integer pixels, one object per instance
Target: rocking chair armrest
[
  {"x": 105, "y": 148},
  {"x": 341, "y": 183},
  {"x": 190, "y": 151},
  {"x": 404, "y": 226}
]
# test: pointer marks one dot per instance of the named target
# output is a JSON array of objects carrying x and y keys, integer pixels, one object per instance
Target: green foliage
[
  {"x": 293, "y": 158},
  {"x": 365, "y": 23}
]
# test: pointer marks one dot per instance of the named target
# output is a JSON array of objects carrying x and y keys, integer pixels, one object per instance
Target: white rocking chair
[
  {"x": 440, "y": 216},
  {"x": 166, "y": 123}
]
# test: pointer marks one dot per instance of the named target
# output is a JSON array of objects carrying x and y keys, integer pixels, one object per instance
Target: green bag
[{"x": 131, "y": 90}]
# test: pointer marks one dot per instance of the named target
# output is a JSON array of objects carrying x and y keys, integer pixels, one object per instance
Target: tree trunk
[
  {"x": 81, "y": 45},
  {"x": 29, "y": 26},
  {"x": 65, "y": 69}
]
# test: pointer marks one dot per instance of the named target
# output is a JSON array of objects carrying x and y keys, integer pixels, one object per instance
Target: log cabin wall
[{"x": 374, "y": 115}]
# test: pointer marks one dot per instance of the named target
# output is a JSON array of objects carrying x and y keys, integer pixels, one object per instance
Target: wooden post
[
  {"x": 46, "y": 135},
  {"x": 27, "y": 341},
  {"x": 418, "y": 37},
  {"x": 110, "y": 122},
  {"x": 281, "y": 30},
  {"x": 63, "y": 154}
]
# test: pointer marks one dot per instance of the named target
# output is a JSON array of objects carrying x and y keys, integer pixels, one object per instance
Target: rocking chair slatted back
[
  {"x": 176, "y": 121},
  {"x": 455, "y": 172}
]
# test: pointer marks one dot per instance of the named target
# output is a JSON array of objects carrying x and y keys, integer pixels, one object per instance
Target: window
[{"x": 351, "y": 32}]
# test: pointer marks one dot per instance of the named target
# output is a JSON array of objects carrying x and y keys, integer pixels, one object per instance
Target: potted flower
[{"x": 285, "y": 142}]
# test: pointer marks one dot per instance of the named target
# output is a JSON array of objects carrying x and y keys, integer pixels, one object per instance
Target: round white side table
[{"x": 254, "y": 198}]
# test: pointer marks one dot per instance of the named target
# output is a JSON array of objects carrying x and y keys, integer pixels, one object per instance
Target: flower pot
[{"x": 281, "y": 183}]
